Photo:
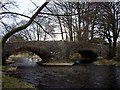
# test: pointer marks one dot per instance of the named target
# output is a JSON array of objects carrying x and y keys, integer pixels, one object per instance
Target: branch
[
  {"x": 14, "y": 13},
  {"x": 29, "y": 18},
  {"x": 59, "y": 14},
  {"x": 23, "y": 26},
  {"x": 64, "y": 14},
  {"x": 34, "y": 3}
]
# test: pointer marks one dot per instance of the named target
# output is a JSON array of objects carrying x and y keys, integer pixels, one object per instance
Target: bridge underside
[
  {"x": 41, "y": 53},
  {"x": 88, "y": 54}
]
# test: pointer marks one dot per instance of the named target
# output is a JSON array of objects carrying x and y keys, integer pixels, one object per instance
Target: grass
[
  {"x": 107, "y": 62},
  {"x": 11, "y": 82},
  {"x": 8, "y": 68}
]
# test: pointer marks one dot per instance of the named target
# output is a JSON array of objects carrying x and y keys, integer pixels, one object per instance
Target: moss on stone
[{"x": 75, "y": 56}]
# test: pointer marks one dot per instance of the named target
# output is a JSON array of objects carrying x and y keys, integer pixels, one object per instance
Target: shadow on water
[{"x": 77, "y": 76}]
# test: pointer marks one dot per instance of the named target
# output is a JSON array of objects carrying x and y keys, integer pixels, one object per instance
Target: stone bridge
[{"x": 57, "y": 50}]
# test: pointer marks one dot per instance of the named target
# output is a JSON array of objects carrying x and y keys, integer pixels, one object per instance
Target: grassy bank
[
  {"x": 107, "y": 62},
  {"x": 11, "y": 82}
]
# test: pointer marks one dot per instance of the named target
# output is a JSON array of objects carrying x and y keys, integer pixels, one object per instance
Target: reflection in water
[
  {"x": 25, "y": 62},
  {"x": 78, "y": 76},
  {"x": 102, "y": 76},
  {"x": 117, "y": 77}
]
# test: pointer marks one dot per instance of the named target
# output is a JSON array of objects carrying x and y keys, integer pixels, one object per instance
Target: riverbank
[
  {"x": 106, "y": 62},
  {"x": 12, "y": 82},
  {"x": 48, "y": 75},
  {"x": 100, "y": 61},
  {"x": 76, "y": 76}
]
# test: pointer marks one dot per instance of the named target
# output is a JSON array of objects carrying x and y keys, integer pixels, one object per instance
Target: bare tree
[
  {"x": 23, "y": 26},
  {"x": 107, "y": 22},
  {"x": 112, "y": 26}
]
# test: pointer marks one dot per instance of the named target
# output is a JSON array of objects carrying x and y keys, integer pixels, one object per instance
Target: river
[{"x": 77, "y": 76}]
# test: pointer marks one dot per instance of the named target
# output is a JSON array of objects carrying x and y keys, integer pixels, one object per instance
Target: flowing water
[{"x": 77, "y": 76}]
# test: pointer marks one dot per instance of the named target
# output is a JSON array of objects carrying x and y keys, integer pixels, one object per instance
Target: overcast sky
[
  {"x": 26, "y": 5},
  {"x": 24, "y": 8}
]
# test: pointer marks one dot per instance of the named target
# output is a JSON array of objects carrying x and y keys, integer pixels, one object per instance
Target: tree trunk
[
  {"x": 60, "y": 27},
  {"x": 70, "y": 34},
  {"x": 112, "y": 49},
  {"x": 92, "y": 29},
  {"x": 85, "y": 34},
  {"x": 79, "y": 22},
  {"x": 70, "y": 23}
]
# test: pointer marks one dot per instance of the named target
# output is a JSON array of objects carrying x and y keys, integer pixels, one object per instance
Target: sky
[{"x": 24, "y": 7}]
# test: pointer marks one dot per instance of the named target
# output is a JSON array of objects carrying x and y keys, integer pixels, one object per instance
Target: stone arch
[{"x": 42, "y": 53}]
